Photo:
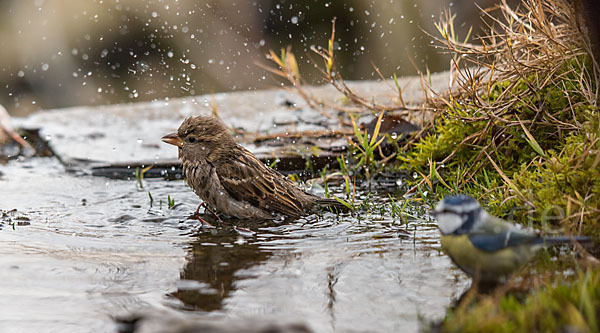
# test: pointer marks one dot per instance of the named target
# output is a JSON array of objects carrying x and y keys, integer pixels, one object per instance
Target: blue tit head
[{"x": 458, "y": 214}]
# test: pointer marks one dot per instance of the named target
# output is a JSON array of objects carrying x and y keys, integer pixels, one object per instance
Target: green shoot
[
  {"x": 366, "y": 148},
  {"x": 151, "y": 199},
  {"x": 139, "y": 175},
  {"x": 171, "y": 202},
  {"x": 273, "y": 164},
  {"x": 324, "y": 178},
  {"x": 345, "y": 203}
]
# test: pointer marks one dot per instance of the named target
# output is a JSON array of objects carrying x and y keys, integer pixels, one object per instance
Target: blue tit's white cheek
[{"x": 448, "y": 223}]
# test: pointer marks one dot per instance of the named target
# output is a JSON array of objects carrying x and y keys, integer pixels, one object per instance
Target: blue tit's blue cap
[
  {"x": 457, "y": 204},
  {"x": 459, "y": 200}
]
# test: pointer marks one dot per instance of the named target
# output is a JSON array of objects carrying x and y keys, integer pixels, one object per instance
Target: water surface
[{"x": 81, "y": 250}]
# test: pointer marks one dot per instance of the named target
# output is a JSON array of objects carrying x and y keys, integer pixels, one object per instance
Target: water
[{"x": 89, "y": 249}]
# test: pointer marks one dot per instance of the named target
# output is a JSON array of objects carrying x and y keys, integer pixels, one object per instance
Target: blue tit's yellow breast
[{"x": 491, "y": 265}]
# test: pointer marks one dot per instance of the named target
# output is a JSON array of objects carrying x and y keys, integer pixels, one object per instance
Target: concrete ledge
[{"x": 129, "y": 134}]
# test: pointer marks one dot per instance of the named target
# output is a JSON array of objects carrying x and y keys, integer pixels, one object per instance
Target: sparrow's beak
[{"x": 173, "y": 139}]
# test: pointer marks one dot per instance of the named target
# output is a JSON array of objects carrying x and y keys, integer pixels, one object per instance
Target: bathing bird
[{"x": 231, "y": 180}]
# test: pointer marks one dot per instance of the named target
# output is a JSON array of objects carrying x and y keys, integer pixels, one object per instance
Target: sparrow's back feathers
[{"x": 247, "y": 179}]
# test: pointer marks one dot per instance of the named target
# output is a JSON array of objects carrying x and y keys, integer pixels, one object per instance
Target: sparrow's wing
[
  {"x": 487, "y": 241},
  {"x": 247, "y": 179}
]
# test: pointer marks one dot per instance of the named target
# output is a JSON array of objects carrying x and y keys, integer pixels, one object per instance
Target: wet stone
[{"x": 106, "y": 139}]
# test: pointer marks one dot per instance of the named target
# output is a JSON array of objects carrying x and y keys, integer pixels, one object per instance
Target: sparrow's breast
[{"x": 198, "y": 177}]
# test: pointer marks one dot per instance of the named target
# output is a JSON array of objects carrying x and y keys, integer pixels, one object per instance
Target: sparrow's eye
[{"x": 191, "y": 139}]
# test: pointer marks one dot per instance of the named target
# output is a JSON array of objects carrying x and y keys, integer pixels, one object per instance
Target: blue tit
[{"x": 483, "y": 245}]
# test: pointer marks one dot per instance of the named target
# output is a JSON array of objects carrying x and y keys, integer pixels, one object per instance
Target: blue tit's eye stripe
[
  {"x": 469, "y": 219},
  {"x": 446, "y": 211}
]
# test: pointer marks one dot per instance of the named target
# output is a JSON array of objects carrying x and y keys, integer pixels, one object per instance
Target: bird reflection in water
[{"x": 215, "y": 260}]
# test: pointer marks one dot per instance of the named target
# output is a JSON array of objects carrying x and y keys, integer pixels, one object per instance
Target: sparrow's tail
[
  {"x": 548, "y": 241},
  {"x": 333, "y": 203}
]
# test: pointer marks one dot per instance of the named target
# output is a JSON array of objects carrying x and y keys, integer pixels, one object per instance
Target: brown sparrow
[{"x": 231, "y": 179}]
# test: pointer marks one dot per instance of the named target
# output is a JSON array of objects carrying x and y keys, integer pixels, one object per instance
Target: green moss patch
[{"x": 572, "y": 305}]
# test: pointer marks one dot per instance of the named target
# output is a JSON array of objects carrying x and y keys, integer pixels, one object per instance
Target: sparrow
[
  {"x": 230, "y": 179},
  {"x": 485, "y": 246}
]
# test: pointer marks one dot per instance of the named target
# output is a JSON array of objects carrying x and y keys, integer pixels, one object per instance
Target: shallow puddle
[{"x": 81, "y": 250}]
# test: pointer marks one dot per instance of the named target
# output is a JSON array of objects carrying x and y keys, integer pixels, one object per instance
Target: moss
[
  {"x": 566, "y": 185},
  {"x": 571, "y": 305},
  {"x": 556, "y": 175}
]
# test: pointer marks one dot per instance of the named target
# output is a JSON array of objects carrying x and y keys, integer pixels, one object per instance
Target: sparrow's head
[
  {"x": 458, "y": 214},
  {"x": 201, "y": 138}
]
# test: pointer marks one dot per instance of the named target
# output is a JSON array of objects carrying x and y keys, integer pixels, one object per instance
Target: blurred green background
[{"x": 60, "y": 53}]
